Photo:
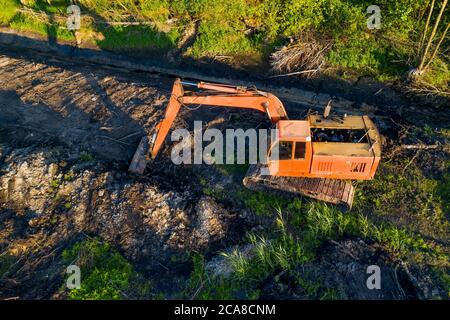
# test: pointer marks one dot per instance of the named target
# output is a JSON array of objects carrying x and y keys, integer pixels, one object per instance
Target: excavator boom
[{"x": 216, "y": 95}]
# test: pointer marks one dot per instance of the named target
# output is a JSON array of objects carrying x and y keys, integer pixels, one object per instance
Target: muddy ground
[{"x": 67, "y": 134}]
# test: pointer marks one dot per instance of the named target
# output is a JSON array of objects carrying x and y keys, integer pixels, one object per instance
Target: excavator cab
[{"x": 290, "y": 155}]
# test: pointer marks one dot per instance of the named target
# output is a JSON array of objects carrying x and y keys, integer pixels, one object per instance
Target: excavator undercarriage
[{"x": 338, "y": 192}]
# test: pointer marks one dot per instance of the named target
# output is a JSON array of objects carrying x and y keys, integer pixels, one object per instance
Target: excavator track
[{"x": 338, "y": 192}]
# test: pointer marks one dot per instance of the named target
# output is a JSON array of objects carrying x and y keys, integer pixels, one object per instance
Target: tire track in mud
[{"x": 93, "y": 110}]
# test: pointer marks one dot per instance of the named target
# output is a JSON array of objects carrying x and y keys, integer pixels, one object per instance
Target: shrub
[{"x": 105, "y": 274}]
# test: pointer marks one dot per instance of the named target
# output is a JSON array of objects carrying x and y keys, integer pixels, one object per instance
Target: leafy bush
[
  {"x": 368, "y": 55},
  {"x": 214, "y": 39},
  {"x": 157, "y": 10},
  {"x": 86, "y": 156},
  {"x": 105, "y": 274},
  {"x": 438, "y": 76},
  {"x": 54, "y": 6}
]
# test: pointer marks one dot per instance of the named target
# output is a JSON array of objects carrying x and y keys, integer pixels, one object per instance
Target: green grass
[
  {"x": 369, "y": 56},
  {"x": 391, "y": 196},
  {"x": 439, "y": 75},
  {"x": 409, "y": 197},
  {"x": 246, "y": 31},
  {"x": 237, "y": 171},
  {"x": 52, "y": 7},
  {"x": 443, "y": 190},
  {"x": 214, "y": 40},
  {"x": 314, "y": 290},
  {"x": 321, "y": 222},
  {"x": 260, "y": 203},
  {"x": 216, "y": 193},
  {"x": 86, "y": 156},
  {"x": 201, "y": 286},
  {"x": 105, "y": 274},
  {"x": 69, "y": 175},
  {"x": 54, "y": 183},
  {"x": 6, "y": 262},
  {"x": 22, "y": 22},
  {"x": 272, "y": 256},
  {"x": 145, "y": 38},
  {"x": 8, "y": 11}
]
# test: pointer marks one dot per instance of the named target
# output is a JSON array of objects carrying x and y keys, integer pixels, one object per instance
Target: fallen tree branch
[
  {"x": 293, "y": 73},
  {"x": 305, "y": 56},
  {"x": 344, "y": 250},
  {"x": 411, "y": 161},
  {"x": 198, "y": 290},
  {"x": 421, "y": 146},
  {"x": 426, "y": 91},
  {"x": 44, "y": 17},
  {"x": 130, "y": 135},
  {"x": 112, "y": 139}
]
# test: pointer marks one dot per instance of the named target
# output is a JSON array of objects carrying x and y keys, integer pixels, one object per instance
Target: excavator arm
[{"x": 219, "y": 95}]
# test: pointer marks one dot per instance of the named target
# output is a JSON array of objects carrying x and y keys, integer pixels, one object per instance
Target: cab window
[
  {"x": 285, "y": 150},
  {"x": 300, "y": 150}
]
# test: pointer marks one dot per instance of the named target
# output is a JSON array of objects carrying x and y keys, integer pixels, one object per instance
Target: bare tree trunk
[
  {"x": 430, "y": 40},
  {"x": 424, "y": 34},
  {"x": 437, "y": 46}
]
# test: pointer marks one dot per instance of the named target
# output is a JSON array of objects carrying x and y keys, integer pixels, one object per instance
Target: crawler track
[{"x": 339, "y": 192}]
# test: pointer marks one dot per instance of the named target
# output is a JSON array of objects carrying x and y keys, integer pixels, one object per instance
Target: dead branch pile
[
  {"x": 422, "y": 88},
  {"x": 302, "y": 58}
]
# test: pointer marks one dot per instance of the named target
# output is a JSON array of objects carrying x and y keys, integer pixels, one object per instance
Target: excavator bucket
[
  {"x": 148, "y": 148},
  {"x": 141, "y": 157}
]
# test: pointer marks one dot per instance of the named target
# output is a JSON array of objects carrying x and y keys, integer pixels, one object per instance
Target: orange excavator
[{"x": 317, "y": 157}]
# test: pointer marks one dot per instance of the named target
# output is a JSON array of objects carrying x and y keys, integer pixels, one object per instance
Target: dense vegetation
[{"x": 246, "y": 32}]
